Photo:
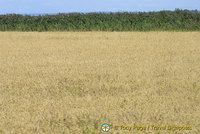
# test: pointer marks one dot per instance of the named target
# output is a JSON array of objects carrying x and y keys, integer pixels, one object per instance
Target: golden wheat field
[{"x": 73, "y": 82}]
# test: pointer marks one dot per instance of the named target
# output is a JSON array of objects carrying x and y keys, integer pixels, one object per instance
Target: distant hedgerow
[{"x": 178, "y": 20}]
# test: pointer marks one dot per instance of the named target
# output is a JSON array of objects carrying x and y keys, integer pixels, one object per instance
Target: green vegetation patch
[{"x": 178, "y": 20}]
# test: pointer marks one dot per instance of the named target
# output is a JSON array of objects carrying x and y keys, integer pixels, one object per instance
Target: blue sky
[{"x": 65, "y": 6}]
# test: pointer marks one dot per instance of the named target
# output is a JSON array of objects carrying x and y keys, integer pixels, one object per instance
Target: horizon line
[{"x": 88, "y": 12}]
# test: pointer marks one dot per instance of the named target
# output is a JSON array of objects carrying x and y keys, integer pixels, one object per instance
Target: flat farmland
[{"x": 73, "y": 82}]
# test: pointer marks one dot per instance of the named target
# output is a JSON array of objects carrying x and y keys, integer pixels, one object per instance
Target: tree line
[{"x": 178, "y": 20}]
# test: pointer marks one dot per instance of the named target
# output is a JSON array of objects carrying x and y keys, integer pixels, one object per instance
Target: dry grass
[{"x": 72, "y": 82}]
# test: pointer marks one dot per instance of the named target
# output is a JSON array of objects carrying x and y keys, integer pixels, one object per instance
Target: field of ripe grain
[{"x": 73, "y": 82}]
